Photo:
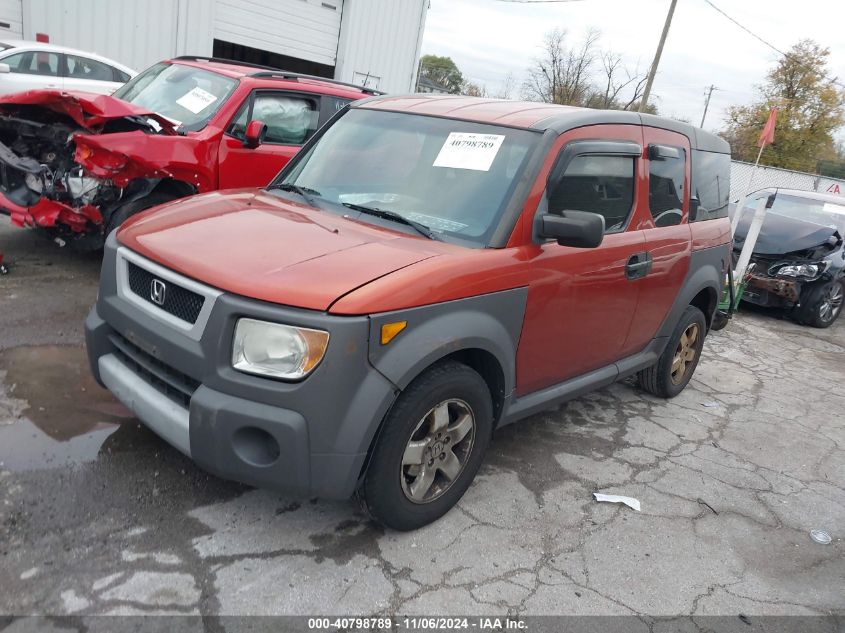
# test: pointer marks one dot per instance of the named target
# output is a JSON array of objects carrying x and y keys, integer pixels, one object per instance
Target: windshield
[
  {"x": 453, "y": 177},
  {"x": 806, "y": 209},
  {"x": 190, "y": 96}
]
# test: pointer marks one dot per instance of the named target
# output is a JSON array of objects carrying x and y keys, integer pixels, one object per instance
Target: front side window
[
  {"x": 597, "y": 184},
  {"x": 454, "y": 177},
  {"x": 666, "y": 189},
  {"x": 33, "y": 63},
  {"x": 84, "y": 68},
  {"x": 180, "y": 93},
  {"x": 289, "y": 120}
]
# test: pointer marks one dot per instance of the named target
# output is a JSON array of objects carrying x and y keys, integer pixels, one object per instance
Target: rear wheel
[
  {"x": 676, "y": 365},
  {"x": 430, "y": 449},
  {"x": 822, "y": 304}
]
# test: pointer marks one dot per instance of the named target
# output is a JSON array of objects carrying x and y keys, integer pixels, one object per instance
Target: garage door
[
  {"x": 11, "y": 18},
  {"x": 305, "y": 29}
]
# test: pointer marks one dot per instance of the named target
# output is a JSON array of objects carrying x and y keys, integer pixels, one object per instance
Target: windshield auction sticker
[
  {"x": 463, "y": 150},
  {"x": 196, "y": 100}
]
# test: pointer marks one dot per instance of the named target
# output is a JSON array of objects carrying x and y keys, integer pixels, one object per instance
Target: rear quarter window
[{"x": 711, "y": 184}]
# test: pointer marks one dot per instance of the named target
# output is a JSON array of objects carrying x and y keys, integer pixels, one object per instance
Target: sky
[{"x": 488, "y": 39}]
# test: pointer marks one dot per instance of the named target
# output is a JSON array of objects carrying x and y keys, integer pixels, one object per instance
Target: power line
[{"x": 788, "y": 56}]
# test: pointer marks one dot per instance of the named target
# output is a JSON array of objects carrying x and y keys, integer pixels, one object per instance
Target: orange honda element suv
[{"x": 426, "y": 270}]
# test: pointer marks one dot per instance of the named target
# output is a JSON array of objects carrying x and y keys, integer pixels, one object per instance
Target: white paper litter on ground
[{"x": 628, "y": 501}]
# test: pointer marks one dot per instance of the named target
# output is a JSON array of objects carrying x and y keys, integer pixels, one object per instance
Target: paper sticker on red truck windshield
[
  {"x": 196, "y": 100},
  {"x": 463, "y": 150}
]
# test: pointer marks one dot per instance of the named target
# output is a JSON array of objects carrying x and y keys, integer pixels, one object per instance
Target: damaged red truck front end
[
  {"x": 76, "y": 165},
  {"x": 69, "y": 161}
]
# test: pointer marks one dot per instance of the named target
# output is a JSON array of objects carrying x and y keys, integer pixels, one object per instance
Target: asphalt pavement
[{"x": 99, "y": 516}]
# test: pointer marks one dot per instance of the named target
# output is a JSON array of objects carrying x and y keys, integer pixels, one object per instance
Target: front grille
[
  {"x": 174, "y": 384},
  {"x": 178, "y": 301}
]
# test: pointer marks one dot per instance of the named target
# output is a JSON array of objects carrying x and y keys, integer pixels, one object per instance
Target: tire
[
  {"x": 720, "y": 321},
  {"x": 822, "y": 304},
  {"x": 123, "y": 212},
  {"x": 659, "y": 379},
  {"x": 409, "y": 495}
]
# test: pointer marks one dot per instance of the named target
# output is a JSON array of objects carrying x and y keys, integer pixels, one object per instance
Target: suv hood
[
  {"x": 781, "y": 234},
  {"x": 258, "y": 245}
]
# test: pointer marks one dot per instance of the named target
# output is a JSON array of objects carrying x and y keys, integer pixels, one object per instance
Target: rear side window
[
  {"x": 597, "y": 184},
  {"x": 290, "y": 120},
  {"x": 121, "y": 76},
  {"x": 33, "y": 63},
  {"x": 84, "y": 68},
  {"x": 666, "y": 188},
  {"x": 711, "y": 184}
]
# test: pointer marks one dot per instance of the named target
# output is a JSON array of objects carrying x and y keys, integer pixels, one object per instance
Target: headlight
[
  {"x": 275, "y": 350},
  {"x": 809, "y": 271}
]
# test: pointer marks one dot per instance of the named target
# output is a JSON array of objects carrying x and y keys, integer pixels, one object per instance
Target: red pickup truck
[
  {"x": 76, "y": 165},
  {"x": 426, "y": 270}
]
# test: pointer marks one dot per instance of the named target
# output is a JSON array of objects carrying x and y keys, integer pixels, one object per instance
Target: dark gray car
[{"x": 799, "y": 260}]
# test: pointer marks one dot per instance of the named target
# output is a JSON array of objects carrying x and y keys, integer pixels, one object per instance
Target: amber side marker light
[{"x": 390, "y": 330}]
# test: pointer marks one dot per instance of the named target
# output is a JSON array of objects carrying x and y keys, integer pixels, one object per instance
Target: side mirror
[
  {"x": 255, "y": 133},
  {"x": 573, "y": 228},
  {"x": 4, "y": 68},
  {"x": 694, "y": 206}
]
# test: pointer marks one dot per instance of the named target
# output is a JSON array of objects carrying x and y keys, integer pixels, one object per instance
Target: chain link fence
[{"x": 741, "y": 178}]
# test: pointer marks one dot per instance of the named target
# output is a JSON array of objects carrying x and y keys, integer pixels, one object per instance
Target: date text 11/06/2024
[{"x": 419, "y": 623}]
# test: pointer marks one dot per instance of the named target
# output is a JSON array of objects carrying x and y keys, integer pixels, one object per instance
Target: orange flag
[{"x": 767, "y": 136}]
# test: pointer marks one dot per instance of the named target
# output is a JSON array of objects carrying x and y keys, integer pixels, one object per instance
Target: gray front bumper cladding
[{"x": 158, "y": 412}]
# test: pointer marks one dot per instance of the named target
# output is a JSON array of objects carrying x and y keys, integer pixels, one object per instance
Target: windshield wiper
[
  {"x": 419, "y": 227},
  {"x": 305, "y": 193}
]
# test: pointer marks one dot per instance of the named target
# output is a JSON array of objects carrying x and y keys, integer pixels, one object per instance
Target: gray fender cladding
[
  {"x": 707, "y": 269},
  {"x": 490, "y": 322}
]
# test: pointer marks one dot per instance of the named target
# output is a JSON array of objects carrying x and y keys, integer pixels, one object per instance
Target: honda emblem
[{"x": 157, "y": 291}]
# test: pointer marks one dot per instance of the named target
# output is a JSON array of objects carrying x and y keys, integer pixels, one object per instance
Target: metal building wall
[
  {"x": 134, "y": 32},
  {"x": 306, "y": 29},
  {"x": 380, "y": 40},
  {"x": 11, "y": 18}
]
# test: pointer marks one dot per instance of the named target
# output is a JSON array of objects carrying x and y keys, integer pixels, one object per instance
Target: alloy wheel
[
  {"x": 685, "y": 353},
  {"x": 437, "y": 451},
  {"x": 831, "y": 302}
]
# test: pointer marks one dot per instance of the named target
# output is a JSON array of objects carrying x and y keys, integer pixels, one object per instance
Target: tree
[
  {"x": 562, "y": 74},
  {"x": 811, "y": 106},
  {"x": 471, "y": 89},
  {"x": 617, "y": 78},
  {"x": 443, "y": 71},
  {"x": 583, "y": 75}
]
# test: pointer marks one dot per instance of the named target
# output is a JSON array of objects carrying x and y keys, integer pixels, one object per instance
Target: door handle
[{"x": 639, "y": 265}]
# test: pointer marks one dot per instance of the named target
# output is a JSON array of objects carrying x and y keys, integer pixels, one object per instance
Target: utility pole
[
  {"x": 707, "y": 104},
  {"x": 653, "y": 71}
]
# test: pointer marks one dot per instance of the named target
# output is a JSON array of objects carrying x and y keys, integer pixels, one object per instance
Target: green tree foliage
[
  {"x": 442, "y": 71},
  {"x": 811, "y": 108}
]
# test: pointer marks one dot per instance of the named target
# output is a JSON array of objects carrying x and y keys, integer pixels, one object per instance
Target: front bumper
[
  {"x": 309, "y": 438},
  {"x": 772, "y": 292}
]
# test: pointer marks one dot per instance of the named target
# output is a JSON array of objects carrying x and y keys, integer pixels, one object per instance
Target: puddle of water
[{"x": 67, "y": 417}]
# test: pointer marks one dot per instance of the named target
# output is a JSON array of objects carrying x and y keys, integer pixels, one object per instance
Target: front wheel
[
  {"x": 676, "y": 365},
  {"x": 125, "y": 211},
  {"x": 430, "y": 449},
  {"x": 823, "y": 304}
]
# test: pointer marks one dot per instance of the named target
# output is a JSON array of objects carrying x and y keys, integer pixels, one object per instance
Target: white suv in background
[{"x": 34, "y": 65}]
